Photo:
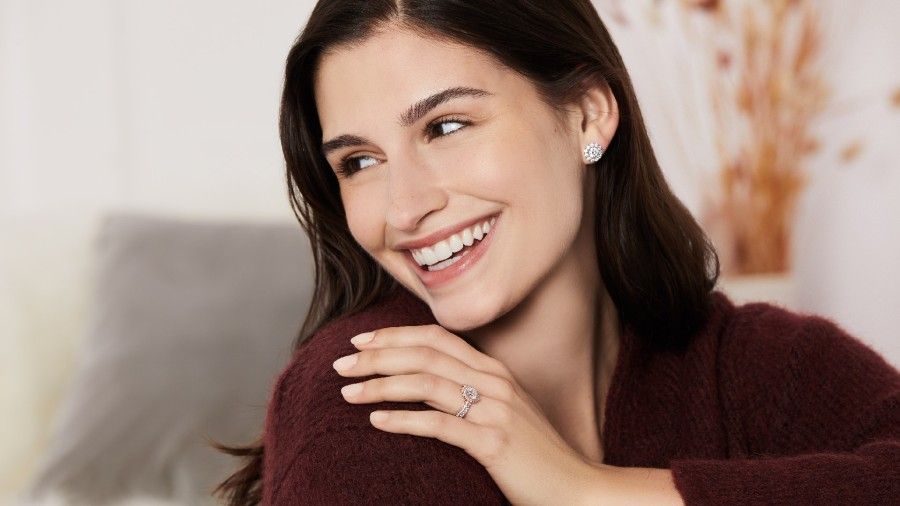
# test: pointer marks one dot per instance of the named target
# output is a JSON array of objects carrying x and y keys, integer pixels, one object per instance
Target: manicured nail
[
  {"x": 353, "y": 389},
  {"x": 378, "y": 416},
  {"x": 344, "y": 363},
  {"x": 362, "y": 338}
]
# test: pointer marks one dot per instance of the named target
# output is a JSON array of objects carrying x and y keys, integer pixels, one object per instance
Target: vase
[{"x": 777, "y": 288}]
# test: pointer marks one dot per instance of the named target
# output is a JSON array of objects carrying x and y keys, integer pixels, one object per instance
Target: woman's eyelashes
[
  {"x": 444, "y": 121},
  {"x": 347, "y": 165}
]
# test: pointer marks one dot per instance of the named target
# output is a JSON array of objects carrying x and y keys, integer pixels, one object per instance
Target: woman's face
[{"x": 416, "y": 171}]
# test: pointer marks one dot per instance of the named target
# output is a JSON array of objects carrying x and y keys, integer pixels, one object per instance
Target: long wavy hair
[{"x": 656, "y": 262}]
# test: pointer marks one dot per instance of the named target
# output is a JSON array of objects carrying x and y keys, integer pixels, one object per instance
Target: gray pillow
[{"x": 190, "y": 324}]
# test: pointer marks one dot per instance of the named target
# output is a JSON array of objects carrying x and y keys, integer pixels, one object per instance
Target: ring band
[{"x": 471, "y": 396}]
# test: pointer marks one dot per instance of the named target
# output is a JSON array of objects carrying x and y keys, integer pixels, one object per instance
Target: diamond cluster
[
  {"x": 593, "y": 152},
  {"x": 470, "y": 394}
]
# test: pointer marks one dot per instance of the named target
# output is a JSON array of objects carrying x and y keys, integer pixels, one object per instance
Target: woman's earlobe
[{"x": 592, "y": 153}]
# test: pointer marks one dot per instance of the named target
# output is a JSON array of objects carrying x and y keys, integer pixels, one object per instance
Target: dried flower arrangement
[
  {"x": 766, "y": 92},
  {"x": 766, "y": 88}
]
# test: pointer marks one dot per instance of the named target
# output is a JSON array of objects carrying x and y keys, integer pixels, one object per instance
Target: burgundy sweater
[{"x": 766, "y": 406}]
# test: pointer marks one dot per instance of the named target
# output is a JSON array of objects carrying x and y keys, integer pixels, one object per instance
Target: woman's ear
[{"x": 600, "y": 116}]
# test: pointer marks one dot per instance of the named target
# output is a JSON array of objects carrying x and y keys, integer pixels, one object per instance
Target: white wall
[
  {"x": 848, "y": 241},
  {"x": 167, "y": 106}
]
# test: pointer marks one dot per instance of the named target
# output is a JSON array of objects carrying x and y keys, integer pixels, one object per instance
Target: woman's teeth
[{"x": 438, "y": 255}]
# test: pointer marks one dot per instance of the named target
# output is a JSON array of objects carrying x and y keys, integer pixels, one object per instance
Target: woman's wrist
[{"x": 633, "y": 486}]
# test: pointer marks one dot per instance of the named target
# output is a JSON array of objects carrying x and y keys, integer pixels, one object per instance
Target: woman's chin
[
  {"x": 467, "y": 306},
  {"x": 463, "y": 315}
]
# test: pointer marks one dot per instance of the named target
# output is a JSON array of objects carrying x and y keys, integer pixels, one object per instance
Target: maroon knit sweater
[{"x": 766, "y": 406}]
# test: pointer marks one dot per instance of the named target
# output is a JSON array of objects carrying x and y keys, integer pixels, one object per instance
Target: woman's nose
[{"x": 413, "y": 192}]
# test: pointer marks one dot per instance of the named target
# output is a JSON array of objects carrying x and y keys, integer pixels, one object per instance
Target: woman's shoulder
[
  {"x": 309, "y": 383},
  {"x": 767, "y": 333},
  {"x": 312, "y": 434},
  {"x": 791, "y": 402},
  {"x": 801, "y": 378}
]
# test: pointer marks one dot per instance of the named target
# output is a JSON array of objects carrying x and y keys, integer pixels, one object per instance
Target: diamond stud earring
[{"x": 592, "y": 152}]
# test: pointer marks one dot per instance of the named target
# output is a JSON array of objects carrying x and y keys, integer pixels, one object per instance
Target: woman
[{"x": 480, "y": 191}]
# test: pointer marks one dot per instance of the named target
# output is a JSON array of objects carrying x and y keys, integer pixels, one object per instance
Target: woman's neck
[{"x": 547, "y": 342}]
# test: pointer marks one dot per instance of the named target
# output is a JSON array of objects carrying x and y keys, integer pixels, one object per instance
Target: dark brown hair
[{"x": 655, "y": 260}]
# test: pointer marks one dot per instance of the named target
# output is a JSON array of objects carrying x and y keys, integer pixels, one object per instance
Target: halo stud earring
[{"x": 592, "y": 152}]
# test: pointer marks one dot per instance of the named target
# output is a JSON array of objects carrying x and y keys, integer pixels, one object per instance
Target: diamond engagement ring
[{"x": 471, "y": 396}]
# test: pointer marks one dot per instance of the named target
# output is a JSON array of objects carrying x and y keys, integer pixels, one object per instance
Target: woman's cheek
[
  {"x": 364, "y": 221},
  {"x": 482, "y": 167}
]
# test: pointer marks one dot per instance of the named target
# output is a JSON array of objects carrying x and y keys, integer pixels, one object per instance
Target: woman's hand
[{"x": 504, "y": 430}]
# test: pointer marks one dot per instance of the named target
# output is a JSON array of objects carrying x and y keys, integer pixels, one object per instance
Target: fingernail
[
  {"x": 353, "y": 389},
  {"x": 344, "y": 362},
  {"x": 362, "y": 338}
]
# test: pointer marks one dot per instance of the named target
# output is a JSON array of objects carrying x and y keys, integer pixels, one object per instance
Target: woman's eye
[
  {"x": 348, "y": 165},
  {"x": 446, "y": 121}
]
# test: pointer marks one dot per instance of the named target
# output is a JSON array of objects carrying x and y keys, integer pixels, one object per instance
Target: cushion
[{"x": 190, "y": 322}]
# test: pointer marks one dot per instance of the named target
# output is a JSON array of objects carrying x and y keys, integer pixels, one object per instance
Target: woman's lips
[
  {"x": 443, "y": 234},
  {"x": 465, "y": 263}
]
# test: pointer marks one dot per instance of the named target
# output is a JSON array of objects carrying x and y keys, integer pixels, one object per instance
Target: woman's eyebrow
[
  {"x": 421, "y": 108},
  {"x": 412, "y": 115}
]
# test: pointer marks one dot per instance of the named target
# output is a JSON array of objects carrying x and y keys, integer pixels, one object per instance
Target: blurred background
[{"x": 152, "y": 276}]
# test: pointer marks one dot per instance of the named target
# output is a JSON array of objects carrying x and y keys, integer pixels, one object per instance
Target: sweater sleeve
[
  {"x": 818, "y": 412},
  {"x": 320, "y": 449}
]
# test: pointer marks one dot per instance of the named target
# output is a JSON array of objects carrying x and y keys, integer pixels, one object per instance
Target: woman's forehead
[
  {"x": 391, "y": 70},
  {"x": 402, "y": 50}
]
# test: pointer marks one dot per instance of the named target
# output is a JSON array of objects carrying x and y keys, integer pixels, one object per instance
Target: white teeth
[
  {"x": 467, "y": 238},
  {"x": 443, "y": 250},
  {"x": 456, "y": 243},
  {"x": 429, "y": 255},
  {"x": 443, "y": 265}
]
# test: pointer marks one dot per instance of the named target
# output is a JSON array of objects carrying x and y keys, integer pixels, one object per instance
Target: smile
[
  {"x": 446, "y": 252},
  {"x": 448, "y": 259}
]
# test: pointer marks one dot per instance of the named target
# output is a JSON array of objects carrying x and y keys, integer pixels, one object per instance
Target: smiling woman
[{"x": 480, "y": 190}]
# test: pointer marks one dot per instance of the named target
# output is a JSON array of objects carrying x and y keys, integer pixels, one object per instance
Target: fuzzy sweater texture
[{"x": 765, "y": 406}]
